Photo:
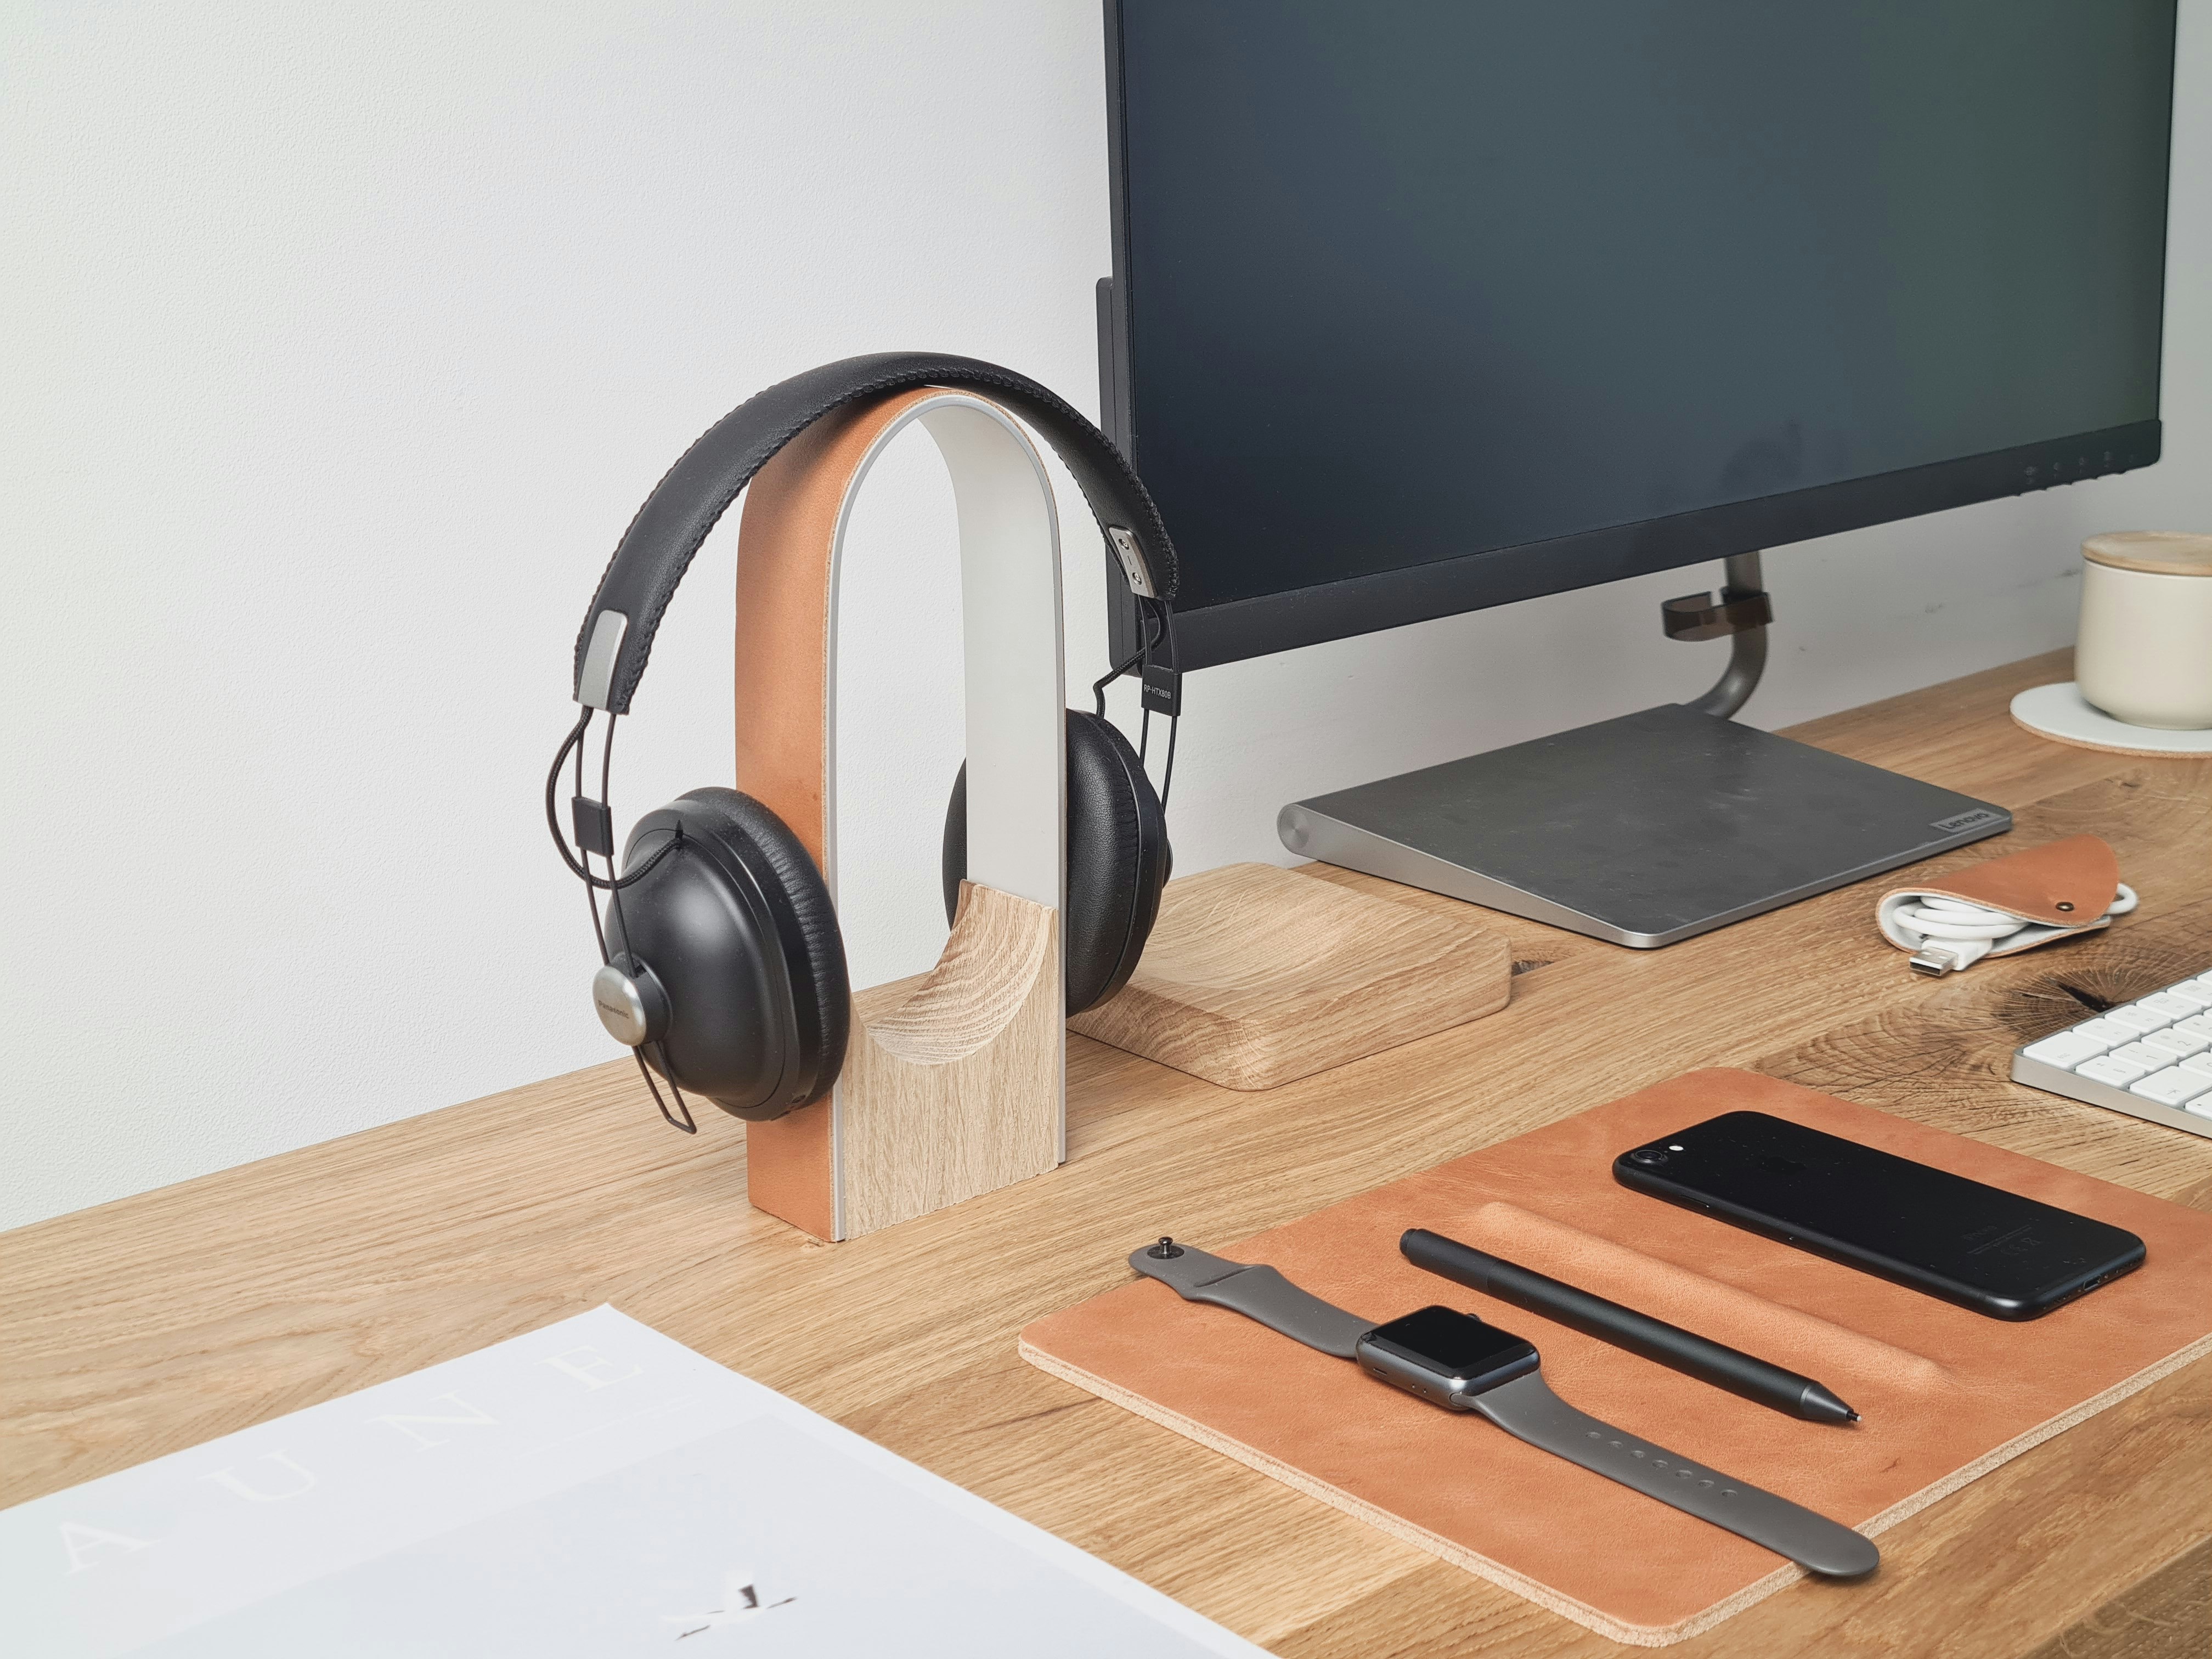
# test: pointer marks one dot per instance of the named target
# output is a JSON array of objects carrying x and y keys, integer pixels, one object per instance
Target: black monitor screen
[{"x": 1528, "y": 294}]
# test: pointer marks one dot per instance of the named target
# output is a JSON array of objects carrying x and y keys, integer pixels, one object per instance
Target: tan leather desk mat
[{"x": 1945, "y": 1395}]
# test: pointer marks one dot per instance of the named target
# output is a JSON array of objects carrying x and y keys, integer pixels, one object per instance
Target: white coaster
[{"x": 2060, "y": 713}]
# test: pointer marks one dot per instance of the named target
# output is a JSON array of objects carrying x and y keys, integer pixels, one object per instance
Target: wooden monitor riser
[{"x": 1255, "y": 977}]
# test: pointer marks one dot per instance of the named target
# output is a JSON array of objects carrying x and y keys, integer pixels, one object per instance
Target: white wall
[{"x": 342, "y": 342}]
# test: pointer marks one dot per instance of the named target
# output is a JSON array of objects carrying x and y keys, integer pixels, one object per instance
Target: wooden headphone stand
[{"x": 954, "y": 1083}]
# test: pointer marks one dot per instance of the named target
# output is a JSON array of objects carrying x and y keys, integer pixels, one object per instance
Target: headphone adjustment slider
[
  {"x": 594, "y": 824},
  {"x": 1124, "y": 543},
  {"x": 1163, "y": 690}
]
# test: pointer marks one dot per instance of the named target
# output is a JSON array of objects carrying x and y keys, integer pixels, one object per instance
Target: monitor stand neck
[{"x": 1741, "y": 582}]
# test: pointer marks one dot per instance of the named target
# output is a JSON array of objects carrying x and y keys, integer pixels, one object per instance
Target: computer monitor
[{"x": 1423, "y": 305}]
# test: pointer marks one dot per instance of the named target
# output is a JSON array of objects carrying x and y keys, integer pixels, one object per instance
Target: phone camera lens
[{"x": 1649, "y": 1157}]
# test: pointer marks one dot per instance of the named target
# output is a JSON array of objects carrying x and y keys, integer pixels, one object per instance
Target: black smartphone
[{"x": 1979, "y": 1246}]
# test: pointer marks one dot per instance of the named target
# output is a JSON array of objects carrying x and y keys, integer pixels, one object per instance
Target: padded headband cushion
[{"x": 659, "y": 545}]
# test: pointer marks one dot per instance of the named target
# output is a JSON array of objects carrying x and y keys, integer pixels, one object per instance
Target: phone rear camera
[{"x": 1649, "y": 1157}]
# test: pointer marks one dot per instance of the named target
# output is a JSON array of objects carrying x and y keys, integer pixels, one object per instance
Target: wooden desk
[{"x": 159, "y": 1321}]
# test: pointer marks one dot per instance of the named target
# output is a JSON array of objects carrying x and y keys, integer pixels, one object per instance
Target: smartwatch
[{"x": 1463, "y": 1363}]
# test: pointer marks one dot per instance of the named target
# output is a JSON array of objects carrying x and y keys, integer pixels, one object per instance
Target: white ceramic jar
[{"x": 2145, "y": 652}]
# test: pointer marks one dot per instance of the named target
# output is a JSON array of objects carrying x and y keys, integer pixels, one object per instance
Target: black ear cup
[
  {"x": 736, "y": 926},
  {"x": 1118, "y": 859}
]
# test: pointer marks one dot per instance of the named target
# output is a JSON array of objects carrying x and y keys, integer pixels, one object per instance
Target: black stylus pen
[{"x": 1655, "y": 1338}]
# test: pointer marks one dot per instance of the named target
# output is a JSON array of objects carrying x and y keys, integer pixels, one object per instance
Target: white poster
[{"x": 590, "y": 1489}]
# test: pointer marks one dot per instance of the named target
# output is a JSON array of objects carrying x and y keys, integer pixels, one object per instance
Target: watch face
[{"x": 1456, "y": 1348}]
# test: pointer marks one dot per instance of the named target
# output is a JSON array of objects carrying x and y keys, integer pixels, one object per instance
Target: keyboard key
[
  {"x": 2138, "y": 1017},
  {"x": 2176, "y": 1041},
  {"x": 2111, "y": 1068},
  {"x": 2068, "y": 1049},
  {"x": 2157, "y": 1048},
  {"x": 2111, "y": 1033},
  {"x": 2173, "y": 1007},
  {"x": 2171, "y": 1087}
]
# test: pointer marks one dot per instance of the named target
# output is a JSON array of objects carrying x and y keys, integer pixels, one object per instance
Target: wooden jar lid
[{"x": 2161, "y": 552}]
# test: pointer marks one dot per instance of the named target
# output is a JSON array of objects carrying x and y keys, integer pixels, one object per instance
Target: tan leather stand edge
[{"x": 954, "y": 1082}]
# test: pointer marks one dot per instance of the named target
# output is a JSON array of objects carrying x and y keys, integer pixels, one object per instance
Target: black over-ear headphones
[{"x": 723, "y": 965}]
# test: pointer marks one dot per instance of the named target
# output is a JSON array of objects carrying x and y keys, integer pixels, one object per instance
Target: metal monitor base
[{"x": 1646, "y": 829}]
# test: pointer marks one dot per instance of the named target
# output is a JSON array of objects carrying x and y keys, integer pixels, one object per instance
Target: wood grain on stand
[{"x": 1255, "y": 977}]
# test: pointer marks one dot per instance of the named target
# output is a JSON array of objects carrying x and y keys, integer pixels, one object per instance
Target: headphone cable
[
  {"x": 613, "y": 883},
  {"x": 1175, "y": 720},
  {"x": 1158, "y": 624},
  {"x": 1098, "y": 686},
  {"x": 686, "y": 1123},
  {"x": 582, "y": 872}
]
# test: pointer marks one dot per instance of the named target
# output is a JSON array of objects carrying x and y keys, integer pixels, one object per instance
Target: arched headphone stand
[{"x": 954, "y": 1084}]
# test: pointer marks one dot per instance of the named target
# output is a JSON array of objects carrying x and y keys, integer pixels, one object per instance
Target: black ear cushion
[
  {"x": 820, "y": 987},
  {"x": 1118, "y": 859}
]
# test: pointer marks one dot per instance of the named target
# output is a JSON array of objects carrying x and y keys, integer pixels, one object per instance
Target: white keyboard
[{"x": 2151, "y": 1057}]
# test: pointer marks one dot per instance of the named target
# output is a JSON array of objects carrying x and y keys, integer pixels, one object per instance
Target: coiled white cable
[{"x": 1962, "y": 934}]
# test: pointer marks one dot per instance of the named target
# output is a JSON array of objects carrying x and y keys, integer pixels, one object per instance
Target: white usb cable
[{"x": 1947, "y": 934}]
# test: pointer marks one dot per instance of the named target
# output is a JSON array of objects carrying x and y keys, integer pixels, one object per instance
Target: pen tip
[{"x": 1822, "y": 1406}]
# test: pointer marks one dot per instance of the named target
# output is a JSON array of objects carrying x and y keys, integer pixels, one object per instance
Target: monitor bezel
[{"x": 1231, "y": 631}]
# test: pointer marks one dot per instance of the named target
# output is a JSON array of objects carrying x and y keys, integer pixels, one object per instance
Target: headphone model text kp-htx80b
[{"x": 722, "y": 964}]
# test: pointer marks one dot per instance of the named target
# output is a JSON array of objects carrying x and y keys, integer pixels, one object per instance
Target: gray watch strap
[
  {"x": 1527, "y": 1409},
  {"x": 1257, "y": 1292}
]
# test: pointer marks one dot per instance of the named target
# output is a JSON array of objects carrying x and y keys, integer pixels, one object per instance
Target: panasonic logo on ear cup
[{"x": 620, "y": 1006}]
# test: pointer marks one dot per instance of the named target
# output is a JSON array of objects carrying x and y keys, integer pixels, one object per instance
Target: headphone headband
[{"x": 661, "y": 540}]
